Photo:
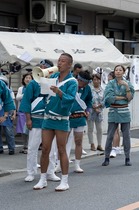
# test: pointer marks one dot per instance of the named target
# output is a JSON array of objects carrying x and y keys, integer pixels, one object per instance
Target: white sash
[
  {"x": 63, "y": 82},
  {"x": 35, "y": 102},
  {"x": 38, "y": 99},
  {"x": 80, "y": 101}
]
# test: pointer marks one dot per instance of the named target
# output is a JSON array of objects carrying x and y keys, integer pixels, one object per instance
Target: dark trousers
[
  {"x": 10, "y": 139},
  {"x": 125, "y": 128}
]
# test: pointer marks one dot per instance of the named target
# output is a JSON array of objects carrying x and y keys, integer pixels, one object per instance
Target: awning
[{"x": 89, "y": 50}]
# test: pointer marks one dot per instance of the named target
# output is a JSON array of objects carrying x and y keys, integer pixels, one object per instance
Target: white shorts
[{"x": 78, "y": 129}]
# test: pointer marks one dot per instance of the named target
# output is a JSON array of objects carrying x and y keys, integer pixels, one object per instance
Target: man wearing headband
[
  {"x": 79, "y": 113},
  {"x": 33, "y": 104}
]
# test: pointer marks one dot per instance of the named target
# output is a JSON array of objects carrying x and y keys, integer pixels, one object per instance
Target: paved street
[
  {"x": 98, "y": 188},
  {"x": 17, "y": 162}
]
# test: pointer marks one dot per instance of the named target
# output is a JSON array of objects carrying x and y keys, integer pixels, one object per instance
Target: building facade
[{"x": 117, "y": 20}]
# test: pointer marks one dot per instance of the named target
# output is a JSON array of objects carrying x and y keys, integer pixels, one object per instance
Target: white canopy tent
[{"x": 89, "y": 50}]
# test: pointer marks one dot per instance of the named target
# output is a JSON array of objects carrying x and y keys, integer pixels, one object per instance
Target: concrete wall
[
  {"x": 130, "y": 5},
  {"x": 87, "y": 24}
]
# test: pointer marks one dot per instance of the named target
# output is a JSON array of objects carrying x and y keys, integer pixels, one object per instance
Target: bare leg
[
  {"x": 61, "y": 137},
  {"x": 78, "y": 137},
  {"x": 47, "y": 138},
  {"x": 68, "y": 149}
]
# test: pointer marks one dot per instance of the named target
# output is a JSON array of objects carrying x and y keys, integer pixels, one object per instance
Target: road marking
[{"x": 132, "y": 206}]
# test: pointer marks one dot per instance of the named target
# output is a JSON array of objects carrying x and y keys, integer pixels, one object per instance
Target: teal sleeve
[{"x": 8, "y": 103}]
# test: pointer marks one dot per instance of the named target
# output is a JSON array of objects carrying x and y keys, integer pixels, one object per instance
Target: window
[{"x": 8, "y": 23}]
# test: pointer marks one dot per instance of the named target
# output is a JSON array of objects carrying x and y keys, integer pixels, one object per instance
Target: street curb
[
  {"x": 88, "y": 155},
  {"x": 72, "y": 158},
  {"x": 4, "y": 173},
  {"x": 9, "y": 172}
]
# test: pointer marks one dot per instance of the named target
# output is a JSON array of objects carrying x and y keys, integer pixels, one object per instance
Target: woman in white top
[
  {"x": 21, "y": 119},
  {"x": 96, "y": 113}
]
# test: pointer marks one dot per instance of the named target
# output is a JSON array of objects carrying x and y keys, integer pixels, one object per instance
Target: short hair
[
  {"x": 85, "y": 74},
  {"x": 68, "y": 55},
  {"x": 23, "y": 78},
  {"x": 77, "y": 65},
  {"x": 97, "y": 75}
]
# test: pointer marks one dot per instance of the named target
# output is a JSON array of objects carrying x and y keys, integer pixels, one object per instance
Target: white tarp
[
  {"x": 134, "y": 70},
  {"x": 90, "y": 50},
  {"x": 134, "y": 73}
]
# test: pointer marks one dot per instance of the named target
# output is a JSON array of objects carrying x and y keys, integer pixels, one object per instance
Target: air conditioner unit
[
  {"x": 43, "y": 11},
  {"x": 136, "y": 27},
  {"x": 62, "y": 13},
  {"x": 52, "y": 11},
  {"x": 39, "y": 11}
]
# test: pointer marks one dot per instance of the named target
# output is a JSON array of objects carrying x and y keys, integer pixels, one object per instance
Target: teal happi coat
[
  {"x": 57, "y": 106},
  {"x": 32, "y": 93},
  {"x": 6, "y": 101},
  {"x": 117, "y": 115},
  {"x": 86, "y": 95}
]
